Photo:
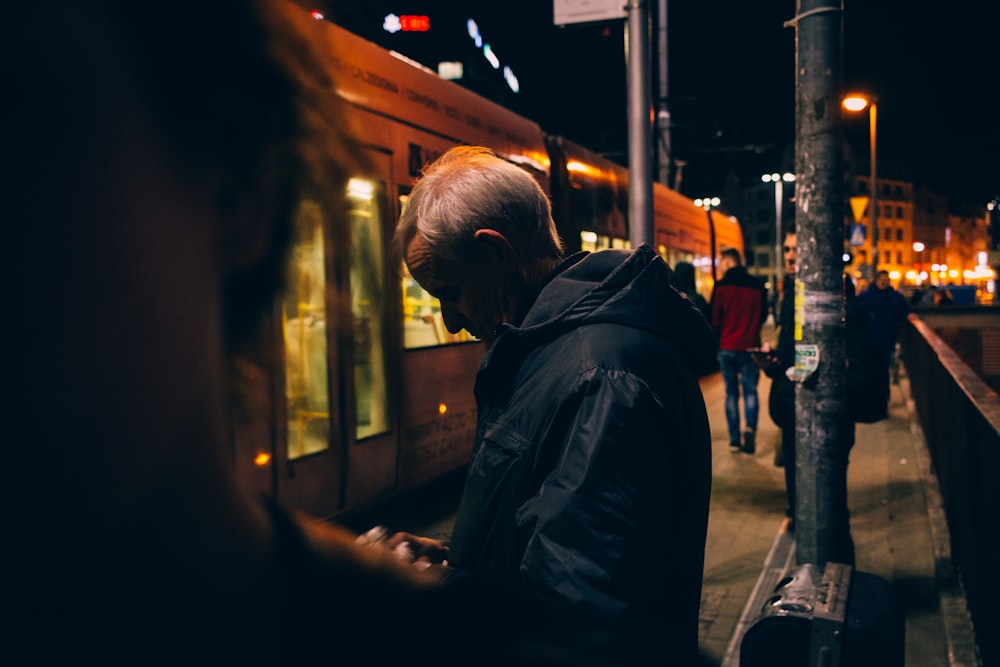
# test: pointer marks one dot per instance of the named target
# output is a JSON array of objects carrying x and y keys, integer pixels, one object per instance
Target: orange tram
[{"x": 367, "y": 395}]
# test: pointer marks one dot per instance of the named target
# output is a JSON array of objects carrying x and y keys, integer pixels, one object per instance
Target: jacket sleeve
[{"x": 592, "y": 516}]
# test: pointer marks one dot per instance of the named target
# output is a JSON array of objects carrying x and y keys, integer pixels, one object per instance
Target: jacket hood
[{"x": 631, "y": 288}]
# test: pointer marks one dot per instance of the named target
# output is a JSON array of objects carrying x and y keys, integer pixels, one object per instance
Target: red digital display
[{"x": 414, "y": 23}]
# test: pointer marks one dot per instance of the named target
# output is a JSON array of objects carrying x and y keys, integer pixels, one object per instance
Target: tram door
[
  {"x": 337, "y": 444},
  {"x": 372, "y": 369}
]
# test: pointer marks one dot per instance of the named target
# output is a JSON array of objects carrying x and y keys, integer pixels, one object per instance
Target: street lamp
[
  {"x": 707, "y": 203},
  {"x": 778, "y": 180},
  {"x": 859, "y": 102},
  {"x": 918, "y": 247}
]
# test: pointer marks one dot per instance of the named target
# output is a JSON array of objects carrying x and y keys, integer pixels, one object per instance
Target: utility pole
[
  {"x": 640, "y": 126},
  {"x": 663, "y": 114},
  {"x": 821, "y": 419}
]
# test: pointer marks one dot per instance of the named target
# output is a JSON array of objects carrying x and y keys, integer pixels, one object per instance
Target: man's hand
[
  {"x": 422, "y": 549},
  {"x": 766, "y": 360}
]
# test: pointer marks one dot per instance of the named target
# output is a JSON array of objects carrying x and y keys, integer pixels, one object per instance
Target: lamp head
[{"x": 857, "y": 101}]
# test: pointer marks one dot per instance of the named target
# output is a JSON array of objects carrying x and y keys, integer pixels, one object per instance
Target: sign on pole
[{"x": 565, "y": 12}]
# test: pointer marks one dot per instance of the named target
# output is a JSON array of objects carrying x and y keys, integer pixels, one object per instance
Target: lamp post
[
  {"x": 778, "y": 180},
  {"x": 859, "y": 102},
  {"x": 918, "y": 247},
  {"x": 707, "y": 203}
]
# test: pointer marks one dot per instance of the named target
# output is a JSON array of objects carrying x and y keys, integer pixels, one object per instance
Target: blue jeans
[{"x": 738, "y": 368}]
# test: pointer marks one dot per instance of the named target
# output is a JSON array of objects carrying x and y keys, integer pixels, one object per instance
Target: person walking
[
  {"x": 884, "y": 309},
  {"x": 739, "y": 310},
  {"x": 684, "y": 282},
  {"x": 592, "y": 431}
]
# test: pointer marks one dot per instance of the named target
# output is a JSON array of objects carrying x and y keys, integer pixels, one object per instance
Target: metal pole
[
  {"x": 663, "y": 117},
  {"x": 778, "y": 255},
  {"x": 821, "y": 420},
  {"x": 872, "y": 124},
  {"x": 640, "y": 130}
]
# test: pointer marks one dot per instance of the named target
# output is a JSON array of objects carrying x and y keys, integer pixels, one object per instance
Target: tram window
[
  {"x": 368, "y": 306},
  {"x": 304, "y": 320},
  {"x": 592, "y": 242},
  {"x": 423, "y": 325}
]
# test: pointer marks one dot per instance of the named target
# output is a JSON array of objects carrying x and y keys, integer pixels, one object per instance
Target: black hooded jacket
[{"x": 591, "y": 472}]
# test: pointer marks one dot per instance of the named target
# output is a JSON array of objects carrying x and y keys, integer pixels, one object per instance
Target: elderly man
[{"x": 591, "y": 471}]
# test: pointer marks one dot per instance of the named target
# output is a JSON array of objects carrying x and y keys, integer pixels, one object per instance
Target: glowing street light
[
  {"x": 857, "y": 102},
  {"x": 918, "y": 247}
]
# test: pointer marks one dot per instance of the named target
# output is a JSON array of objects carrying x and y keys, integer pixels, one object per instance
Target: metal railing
[{"x": 960, "y": 416}]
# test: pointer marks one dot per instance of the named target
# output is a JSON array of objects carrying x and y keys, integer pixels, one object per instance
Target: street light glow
[
  {"x": 856, "y": 102},
  {"x": 918, "y": 246}
]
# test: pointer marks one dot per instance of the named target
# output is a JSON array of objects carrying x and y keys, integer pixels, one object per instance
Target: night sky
[{"x": 731, "y": 82}]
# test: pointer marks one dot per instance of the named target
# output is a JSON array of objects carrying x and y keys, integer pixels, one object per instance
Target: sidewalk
[{"x": 896, "y": 521}]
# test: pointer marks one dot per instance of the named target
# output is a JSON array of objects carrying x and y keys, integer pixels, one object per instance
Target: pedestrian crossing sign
[{"x": 857, "y": 236}]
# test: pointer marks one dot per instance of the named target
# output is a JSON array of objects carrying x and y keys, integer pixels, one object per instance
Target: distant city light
[
  {"x": 406, "y": 23},
  {"x": 391, "y": 24},
  {"x": 316, "y": 14},
  {"x": 451, "y": 70},
  {"x": 490, "y": 56},
  {"x": 473, "y": 30},
  {"x": 477, "y": 37},
  {"x": 512, "y": 83},
  {"x": 415, "y": 23}
]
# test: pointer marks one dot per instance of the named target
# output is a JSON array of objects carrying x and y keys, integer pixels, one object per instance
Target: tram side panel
[{"x": 589, "y": 197}]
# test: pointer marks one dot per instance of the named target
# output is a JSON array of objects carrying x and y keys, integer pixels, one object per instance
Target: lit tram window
[
  {"x": 368, "y": 306},
  {"x": 304, "y": 320}
]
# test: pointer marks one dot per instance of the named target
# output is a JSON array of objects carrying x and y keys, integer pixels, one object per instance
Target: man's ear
[{"x": 498, "y": 252}]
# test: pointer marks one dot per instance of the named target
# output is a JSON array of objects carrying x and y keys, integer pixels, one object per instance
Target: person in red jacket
[{"x": 739, "y": 309}]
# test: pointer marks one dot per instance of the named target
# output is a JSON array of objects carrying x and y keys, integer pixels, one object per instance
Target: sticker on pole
[{"x": 806, "y": 362}]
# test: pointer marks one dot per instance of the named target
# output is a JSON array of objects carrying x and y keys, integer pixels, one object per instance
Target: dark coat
[
  {"x": 885, "y": 310},
  {"x": 591, "y": 471}
]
